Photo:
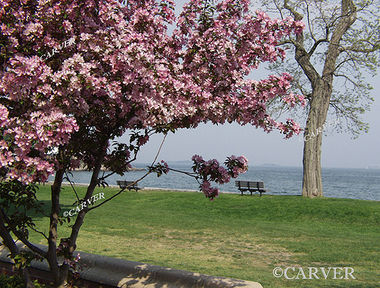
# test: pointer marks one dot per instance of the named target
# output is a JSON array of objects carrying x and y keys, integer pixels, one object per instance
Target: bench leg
[{"x": 261, "y": 193}]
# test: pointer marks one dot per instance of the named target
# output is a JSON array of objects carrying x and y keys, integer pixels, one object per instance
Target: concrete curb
[{"x": 122, "y": 273}]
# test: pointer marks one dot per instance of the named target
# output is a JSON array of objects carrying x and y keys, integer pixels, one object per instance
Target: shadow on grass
[{"x": 46, "y": 209}]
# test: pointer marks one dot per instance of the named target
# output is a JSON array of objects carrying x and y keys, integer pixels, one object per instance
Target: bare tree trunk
[
  {"x": 312, "y": 171},
  {"x": 312, "y": 179},
  {"x": 321, "y": 94}
]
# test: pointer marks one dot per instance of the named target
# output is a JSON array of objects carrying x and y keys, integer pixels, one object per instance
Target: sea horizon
[{"x": 352, "y": 183}]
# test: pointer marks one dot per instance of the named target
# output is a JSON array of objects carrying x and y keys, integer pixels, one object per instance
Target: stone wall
[{"x": 102, "y": 271}]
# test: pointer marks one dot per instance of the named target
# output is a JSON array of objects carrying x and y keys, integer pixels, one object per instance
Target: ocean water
[{"x": 340, "y": 183}]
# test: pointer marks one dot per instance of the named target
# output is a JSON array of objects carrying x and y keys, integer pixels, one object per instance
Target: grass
[{"x": 233, "y": 236}]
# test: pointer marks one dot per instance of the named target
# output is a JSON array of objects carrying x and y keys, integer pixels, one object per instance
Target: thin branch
[
  {"x": 285, "y": 42},
  {"x": 118, "y": 193},
  {"x": 159, "y": 150},
  {"x": 315, "y": 46},
  {"x": 194, "y": 175},
  {"x": 308, "y": 22},
  {"x": 352, "y": 58},
  {"x": 134, "y": 157},
  {"x": 150, "y": 133},
  {"x": 347, "y": 78},
  {"x": 40, "y": 232},
  {"x": 337, "y": 108},
  {"x": 279, "y": 9},
  {"x": 184, "y": 172},
  {"x": 338, "y": 66},
  {"x": 375, "y": 48},
  {"x": 72, "y": 186},
  {"x": 105, "y": 177},
  {"x": 132, "y": 184}
]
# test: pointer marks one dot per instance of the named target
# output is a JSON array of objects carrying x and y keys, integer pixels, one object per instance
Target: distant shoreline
[
  {"x": 143, "y": 188},
  {"x": 105, "y": 170},
  {"x": 338, "y": 183}
]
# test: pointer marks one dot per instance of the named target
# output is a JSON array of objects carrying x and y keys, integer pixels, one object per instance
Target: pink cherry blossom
[{"x": 125, "y": 71}]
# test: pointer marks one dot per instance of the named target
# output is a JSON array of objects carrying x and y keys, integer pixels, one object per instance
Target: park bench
[
  {"x": 250, "y": 186},
  {"x": 128, "y": 184}
]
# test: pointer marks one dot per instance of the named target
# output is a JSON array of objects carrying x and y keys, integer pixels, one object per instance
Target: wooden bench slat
[
  {"x": 128, "y": 184},
  {"x": 251, "y": 186}
]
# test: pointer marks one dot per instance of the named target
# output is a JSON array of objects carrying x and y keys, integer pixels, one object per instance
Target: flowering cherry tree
[{"x": 75, "y": 75}]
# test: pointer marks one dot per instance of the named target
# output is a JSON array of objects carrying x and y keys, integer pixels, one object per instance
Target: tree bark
[
  {"x": 321, "y": 94},
  {"x": 60, "y": 273},
  {"x": 312, "y": 171}
]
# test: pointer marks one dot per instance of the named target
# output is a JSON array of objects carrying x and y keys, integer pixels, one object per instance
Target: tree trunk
[
  {"x": 320, "y": 98},
  {"x": 90, "y": 190},
  {"x": 60, "y": 273},
  {"x": 61, "y": 278},
  {"x": 312, "y": 172}
]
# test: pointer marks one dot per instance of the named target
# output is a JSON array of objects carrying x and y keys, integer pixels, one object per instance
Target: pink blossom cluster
[
  {"x": 290, "y": 127},
  {"x": 160, "y": 168},
  {"x": 291, "y": 99},
  {"x": 236, "y": 165},
  {"x": 165, "y": 167},
  {"x": 25, "y": 144},
  {"x": 211, "y": 170},
  {"x": 124, "y": 71}
]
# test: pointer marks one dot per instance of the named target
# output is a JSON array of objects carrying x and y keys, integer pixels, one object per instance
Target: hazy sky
[{"x": 210, "y": 141}]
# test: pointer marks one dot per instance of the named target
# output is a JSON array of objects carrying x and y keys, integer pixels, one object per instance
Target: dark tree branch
[
  {"x": 347, "y": 78},
  {"x": 90, "y": 189},
  {"x": 315, "y": 46},
  {"x": 7, "y": 238},
  {"x": 39, "y": 232},
  {"x": 18, "y": 234},
  {"x": 302, "y": 57},
  {"x": 289, "y": 41},
  {"x": 297, "y": 16},
  {"x": 134, "y": 183},
  {"x": 71, "y": 185},
  {"x": 309, "y": 23},
  {"x": 349, "y": 16},
  {"x": 106, "y": 176},
  {"x": 118, "y": 193}
]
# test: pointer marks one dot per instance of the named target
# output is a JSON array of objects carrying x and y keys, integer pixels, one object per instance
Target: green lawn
[{"x": 234, "y": 236}]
